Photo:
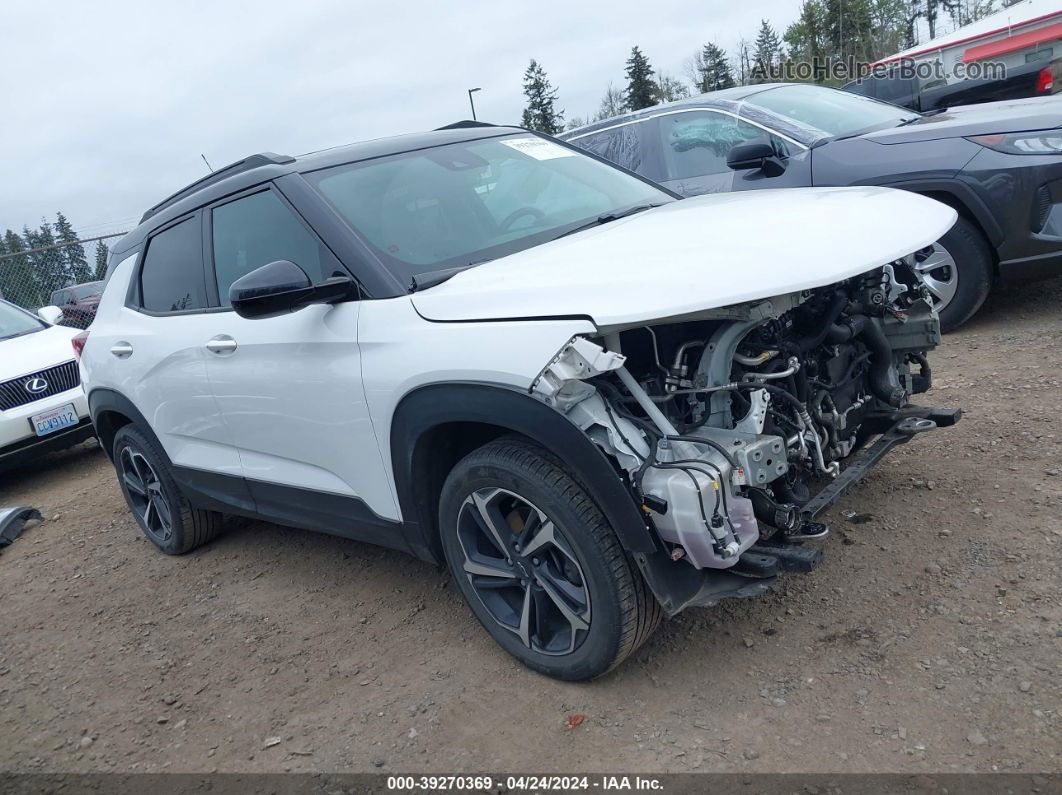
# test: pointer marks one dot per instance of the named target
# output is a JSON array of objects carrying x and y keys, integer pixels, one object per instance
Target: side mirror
[
  {"x": 282, "y": 287},
  {"x": 758, "y": 153},
  {"x": 50, "y": 314}
]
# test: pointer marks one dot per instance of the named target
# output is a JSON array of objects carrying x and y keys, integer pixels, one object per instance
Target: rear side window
[
  {"x": 621, "y": 145},
  {"x": 171, "y": 279},
  {"x": 256, "y": 230}
]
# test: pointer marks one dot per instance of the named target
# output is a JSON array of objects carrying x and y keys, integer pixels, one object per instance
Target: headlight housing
[{"x": 1037, "y": 142}]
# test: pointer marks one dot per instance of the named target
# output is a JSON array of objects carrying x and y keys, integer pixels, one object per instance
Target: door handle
[
  {"x": 123, "y": 350},
  {"x": 221, "y": 344}
]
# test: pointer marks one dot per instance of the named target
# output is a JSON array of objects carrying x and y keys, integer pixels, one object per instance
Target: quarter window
[
  {"x": 621, "y": 145},
  {"x": 256, "y": 230},
  {"x": 697, "y": 143},
  {"x": 171, "y": 279}
]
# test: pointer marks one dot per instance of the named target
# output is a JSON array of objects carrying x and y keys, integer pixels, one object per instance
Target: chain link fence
[{"x": 35, "y": 276}]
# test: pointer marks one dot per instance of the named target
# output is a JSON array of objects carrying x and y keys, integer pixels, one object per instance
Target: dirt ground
[{"x": 929, "y": 640}]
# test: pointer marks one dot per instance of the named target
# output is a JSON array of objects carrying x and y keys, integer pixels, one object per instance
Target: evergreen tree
[
  {"x": 768, "y": 53},
  {"x": 711, "y": 70},
  {"x": 102, "y": 252},
  {"x": 612, "y": 104},
  {"x": 73, "y": 254},
  {"x": 17, "y": 280},
  {"x": 641, "y": 89},
  {"x": 540, "y": 113},
  {"x": 806, "y": 38},
  {"x": 48, "y": 267}
]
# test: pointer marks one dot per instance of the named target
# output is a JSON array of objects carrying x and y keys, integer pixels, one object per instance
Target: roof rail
[{"x": 248, "y": 163}]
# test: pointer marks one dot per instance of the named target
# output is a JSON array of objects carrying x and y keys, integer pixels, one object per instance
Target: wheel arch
[
  {"x": 110, "y": 411},
  {"x": 436, "y": 425}
]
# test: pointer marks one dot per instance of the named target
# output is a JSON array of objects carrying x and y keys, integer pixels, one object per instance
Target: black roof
[{"x": 258, "y": 168}]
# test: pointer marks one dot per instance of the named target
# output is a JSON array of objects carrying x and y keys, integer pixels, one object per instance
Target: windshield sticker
[{"x": 538, "y": 148}]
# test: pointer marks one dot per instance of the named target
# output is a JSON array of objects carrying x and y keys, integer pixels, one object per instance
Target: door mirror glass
[
  {"x": 282, "y": 287},
  {"x": 50, "y": 314},
  {"x": 757, "y": 154}
]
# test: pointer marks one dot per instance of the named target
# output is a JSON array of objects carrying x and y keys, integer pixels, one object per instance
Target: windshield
[
  {"x": 829, "y": 111},
  {"x": 461, "y": 204},
  {"x": 15, "y": 322}
]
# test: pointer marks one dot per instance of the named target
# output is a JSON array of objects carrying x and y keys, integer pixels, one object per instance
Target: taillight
[
  {"x": 1046, "y": 81},
  {"x": 78, "y": 342}
]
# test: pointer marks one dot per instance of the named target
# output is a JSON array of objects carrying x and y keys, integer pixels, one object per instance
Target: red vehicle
[{"x": 78, "y": 303}]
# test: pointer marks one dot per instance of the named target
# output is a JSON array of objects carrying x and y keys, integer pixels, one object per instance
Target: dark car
[
  {"x": 78, "y": 303},
  {"x": 1034, "y": 79},
  {"x": 998, "y": 164}
]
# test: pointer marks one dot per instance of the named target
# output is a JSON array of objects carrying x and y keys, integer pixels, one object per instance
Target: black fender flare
[
  {"x": 430, "y": 406},
  {"x": 963, "y": 195},
  {"x": 102, "y": 400}
]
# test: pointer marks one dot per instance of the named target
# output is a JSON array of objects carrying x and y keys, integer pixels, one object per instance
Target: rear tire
[
  {"x": 155, "y": 500},
  {"x": 965, "y": 284},
  {"x": 539, "y": 564}
]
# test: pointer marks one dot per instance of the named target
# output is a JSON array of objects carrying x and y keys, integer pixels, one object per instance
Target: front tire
[
  {"x": 539, "y": 565},
  {"x": 958, "y": 272},
  {"x": 155, "y": 500}
]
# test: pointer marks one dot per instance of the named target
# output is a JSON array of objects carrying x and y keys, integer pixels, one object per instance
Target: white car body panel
[
  {"x": 165, "y": 377},
  {"x": 400, "y": 352},
  {"x": 29, "y": 354},
  {"x": 720, "y": 250}
]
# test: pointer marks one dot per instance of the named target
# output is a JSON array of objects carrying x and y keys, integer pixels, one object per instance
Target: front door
[{"x": 289, "y": 388}]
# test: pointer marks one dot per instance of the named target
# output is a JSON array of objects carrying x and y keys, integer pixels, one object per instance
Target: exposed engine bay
[{"x": 737, "y": 427}]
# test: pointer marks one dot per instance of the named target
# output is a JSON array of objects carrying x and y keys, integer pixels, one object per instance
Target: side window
[
  {"x": 621, "y": 145},
  {"x": 171, "y": 278},
  {"x": 256, "y": 230},
  {"x": 697, "y": 143}
]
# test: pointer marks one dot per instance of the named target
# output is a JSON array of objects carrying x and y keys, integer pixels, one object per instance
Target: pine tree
[
  {"x": 711, "y": 70},
  {"x": 540, "y": 113},
  {"x": 806, "y": 38},
  {"x": 48, "y": 267},
  {"x": 768, "y": 52},
  {"x": 102, "y": 252},
  {"x": 73, "y": 254},
  {"x": 640, "y": 86},
  {"x": 17, "y": 280}
]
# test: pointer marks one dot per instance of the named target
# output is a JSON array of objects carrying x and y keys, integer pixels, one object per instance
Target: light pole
[{"x": 470, "y": 102}]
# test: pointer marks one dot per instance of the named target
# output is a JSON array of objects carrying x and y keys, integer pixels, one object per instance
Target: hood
[
  {"x": 37, "y": 351},
  {"x": 696, "y": 254},
  {"x": 1017, "y": 115}
]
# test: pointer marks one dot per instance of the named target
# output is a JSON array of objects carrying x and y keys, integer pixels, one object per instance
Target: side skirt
[{"x": 306, "y": 509}]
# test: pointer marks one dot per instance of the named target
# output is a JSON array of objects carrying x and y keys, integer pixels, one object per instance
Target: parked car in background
[
  {"x": 998, "y": 164},
  {"x": 1035, "y": 79},
  {"x": 42, "y": 404},
  {"x": 593, "y": 402},
  {"x": 1024, "y": 38},
  {"x": 78, "y": 303}
]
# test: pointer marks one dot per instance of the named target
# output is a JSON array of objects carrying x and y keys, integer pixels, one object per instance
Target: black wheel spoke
[
  {"x": 144, "y": 491},
  {"x": 134, "y": 484},
  {"x": 536, "y": 588}
]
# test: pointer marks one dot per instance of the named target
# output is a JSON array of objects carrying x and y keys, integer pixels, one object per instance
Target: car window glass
[
  {"x": 256, "y": 230},
  {"x": 697, "y": 143},
  {"x": 621, "y": 145},
  {"x": 462, "y": 204},
  {"x": 171, "y": 279}
]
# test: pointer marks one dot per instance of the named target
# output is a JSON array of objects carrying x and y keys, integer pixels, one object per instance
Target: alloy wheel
[
  {"x": 145, "y": 494},
  {"x": 939, "y": 274},
  {"x": 524, "y": 571}
]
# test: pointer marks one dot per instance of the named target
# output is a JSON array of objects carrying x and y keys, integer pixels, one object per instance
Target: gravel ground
[{"x": 929, "y": 641}]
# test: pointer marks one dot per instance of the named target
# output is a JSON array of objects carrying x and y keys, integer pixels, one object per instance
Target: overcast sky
[{"x": 108, "y": 105}]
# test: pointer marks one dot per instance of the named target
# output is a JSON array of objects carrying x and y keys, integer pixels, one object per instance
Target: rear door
[
  {"x": 289, "y": 388},
  {"x": 154, "y": 355}
]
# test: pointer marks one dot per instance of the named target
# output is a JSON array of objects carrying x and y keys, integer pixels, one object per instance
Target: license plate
[{"x": 54, "y": 420}]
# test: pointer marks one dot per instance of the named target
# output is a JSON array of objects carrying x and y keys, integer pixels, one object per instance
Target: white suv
[
  {"x": 42, "y": 405},
  {"x": 597, "y": 404}
]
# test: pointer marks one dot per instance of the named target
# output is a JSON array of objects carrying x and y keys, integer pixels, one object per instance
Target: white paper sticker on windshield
[{"x": 538, "y": 148}]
